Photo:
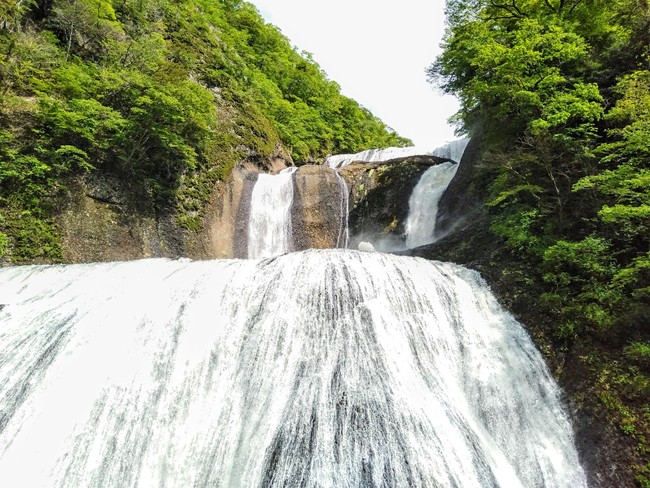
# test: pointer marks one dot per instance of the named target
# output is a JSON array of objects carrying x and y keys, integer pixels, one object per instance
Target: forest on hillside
[
  {"x": 169, "y": 94},
  {"x": 558, "y": 91}
]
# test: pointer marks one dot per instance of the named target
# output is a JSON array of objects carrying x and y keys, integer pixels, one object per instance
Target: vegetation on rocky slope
[
  {"x": 168, "y": 95},
  {"x": 559, "y": 93}
]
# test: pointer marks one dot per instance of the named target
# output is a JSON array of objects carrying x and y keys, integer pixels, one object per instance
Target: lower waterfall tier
[{"x": 318, "y": 369}]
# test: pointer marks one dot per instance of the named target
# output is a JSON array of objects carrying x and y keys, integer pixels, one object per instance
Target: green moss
[
  {"x": 243, "y": 133},
  {"x": 30, "y": 238},
  {"x": 623, "y": 390}
]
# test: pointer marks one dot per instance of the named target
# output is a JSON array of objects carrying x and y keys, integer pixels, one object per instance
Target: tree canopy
[
  {"x": 559, "y": 92},
  {"x": 169, "y": 94}
]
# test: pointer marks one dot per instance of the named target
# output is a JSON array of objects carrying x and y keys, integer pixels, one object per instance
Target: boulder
[{"x": 318, "y": 212}]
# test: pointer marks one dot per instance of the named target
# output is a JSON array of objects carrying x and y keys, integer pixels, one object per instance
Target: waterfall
[
  {"x": 343, "y": 239},
  {"x": 329, "y": 369},
  {"x": 423, "y": 204},
  {"x": 452, "y": 150},
  {"x": 269, "y": 227},
  {"x": 373, "y": 156},
  {"x": 420, "y": 225}
]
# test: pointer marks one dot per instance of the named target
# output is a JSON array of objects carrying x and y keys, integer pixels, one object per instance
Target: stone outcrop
[
  {"x": 318, "y": 210},
  {"x": 225, "y": 226},
  {"x": 98, "y": 222},
  {"x": 379, "y": 196},
  {"x": 103, "y": 219}
]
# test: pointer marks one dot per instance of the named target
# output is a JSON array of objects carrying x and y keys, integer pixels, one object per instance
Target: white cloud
[{"x": 377, "y": 50}]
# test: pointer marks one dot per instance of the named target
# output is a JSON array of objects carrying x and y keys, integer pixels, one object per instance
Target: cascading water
[
  {"x": 343, "y": 238},
  {"x": 373, "y": 156},
  {"x": 269, "y": 227},
  {"x": 452, "y": 150},
  {"x": 316, "y": 369},
  {"x": 423, "y": 204}
]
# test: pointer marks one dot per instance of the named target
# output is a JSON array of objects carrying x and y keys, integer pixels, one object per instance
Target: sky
[{"x": 377, "y": 51}]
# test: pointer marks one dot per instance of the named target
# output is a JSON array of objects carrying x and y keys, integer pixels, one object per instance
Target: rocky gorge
[
  {"x": 99, "y": 220},
  {"x": 99, "y": 225},
  {"x": 369, "y": 202},
  {"x": 193, "y": 130}
]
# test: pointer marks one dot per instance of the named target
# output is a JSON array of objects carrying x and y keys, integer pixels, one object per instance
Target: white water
[
  {"x": 452, "y": 150},
  {"x": 343, "y": 239},
  {"x": 423, "y": 204},
  {"x": 318, "y": 369},
  {"x": 269, "y": 227},
  {"x": 373, "y": 156}
]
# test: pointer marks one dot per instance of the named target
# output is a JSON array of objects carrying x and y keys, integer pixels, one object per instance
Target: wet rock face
[
  {"x": 104, "y": 216},
  {"x": 462, "y": 202},
  {"x": 99, "y": 220},
  {"x": 225, "y": 227},
  {"x": 103, "y": 219},
  {"x": 318, "y": 210},
  {"x": 379, "y": 196}
]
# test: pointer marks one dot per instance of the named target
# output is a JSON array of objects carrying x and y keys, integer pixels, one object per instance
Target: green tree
[
  {"x": 85, "y": 24},
  {"x": 558, "y": 91},
  {"x": 12, "y": 12}
]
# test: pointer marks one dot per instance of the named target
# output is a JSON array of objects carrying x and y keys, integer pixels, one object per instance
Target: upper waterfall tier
[
  {"x": 423, "y": 204},
  {"x": 320, "y": 369},
  {"x": 269, "y": 228},
  {"x": 452, "y": 150}
]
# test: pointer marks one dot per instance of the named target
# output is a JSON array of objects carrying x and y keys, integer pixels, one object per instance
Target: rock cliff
[
  {"x": 102, "y": 218},
  {"x": 225, "y": 226},
  {"x": 379, "y": 196},
  {"x": 99, "y": 220},
  {"x": 319, "y": 205}
]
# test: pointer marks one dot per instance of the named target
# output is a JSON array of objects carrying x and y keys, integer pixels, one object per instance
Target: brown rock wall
[
  {"x": 225, "y": 226},
  {"x": 96, "y": 223},
  {"x": 316, "y": 217}
]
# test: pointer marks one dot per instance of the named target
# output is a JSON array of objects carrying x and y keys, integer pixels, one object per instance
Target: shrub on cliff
[{"x": 167, "y": 94}]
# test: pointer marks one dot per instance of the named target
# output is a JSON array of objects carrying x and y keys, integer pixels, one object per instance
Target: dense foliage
[
  {"x": 169, "y": 94},
  {"x": 559, "y": 92}
]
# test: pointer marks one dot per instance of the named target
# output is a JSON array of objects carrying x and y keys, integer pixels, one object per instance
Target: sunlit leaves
[
  {"x": 568, "y": 144},
  {"x": 521, "y": 76},
  {"x": 85, "y": 24},
  {"x": 168, "y": 95}
]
